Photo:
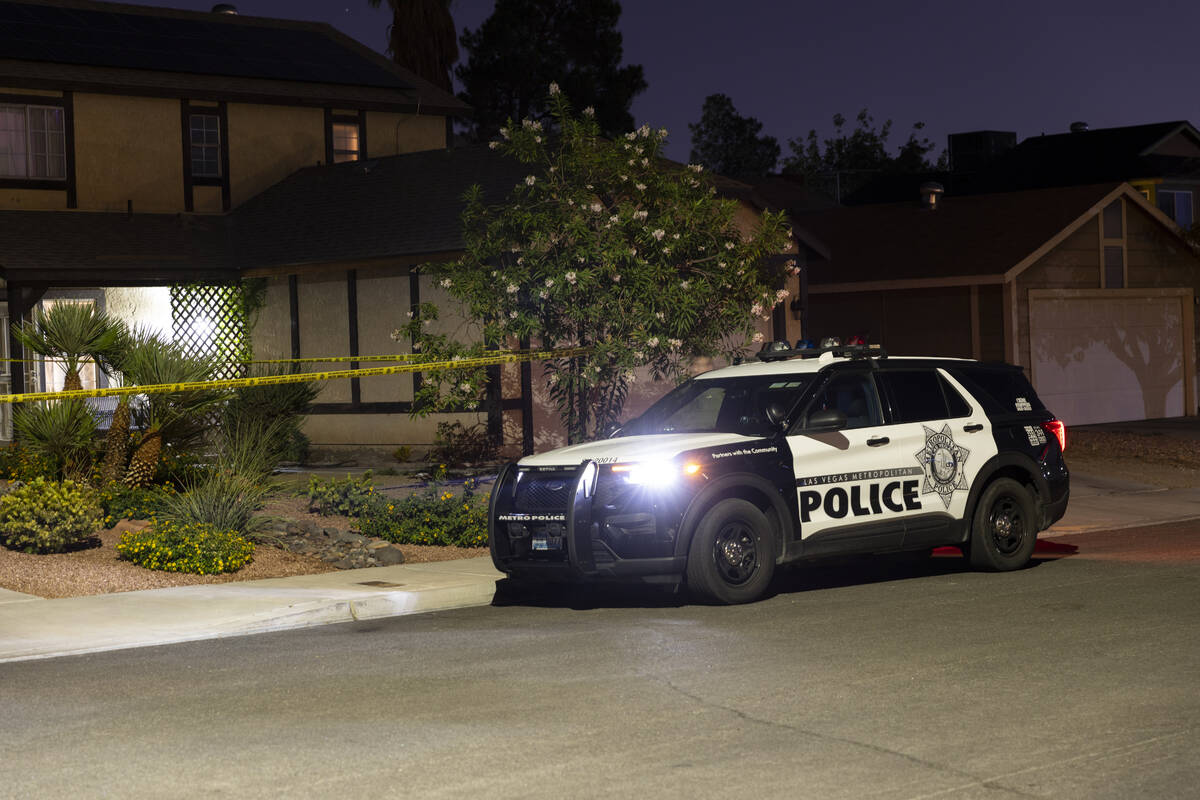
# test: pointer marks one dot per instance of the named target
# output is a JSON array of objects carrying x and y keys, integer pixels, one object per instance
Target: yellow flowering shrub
[
  {"x": 48, "y": 516},
  {"x": 434, "y": 517},
  {"x": 192, "y": 547}
]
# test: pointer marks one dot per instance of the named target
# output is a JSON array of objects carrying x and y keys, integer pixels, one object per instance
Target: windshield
[{"x": 720, "y": 405}]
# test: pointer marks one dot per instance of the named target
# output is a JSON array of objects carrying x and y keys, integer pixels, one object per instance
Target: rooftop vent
[
  {"x": 224, "y": 8},
  {"x": 931, "y": 193},
  {"x": 1079, "y": 127}
]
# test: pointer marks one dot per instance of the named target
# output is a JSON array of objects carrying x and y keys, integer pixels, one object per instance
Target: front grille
[{"x": 543, "y": 492}]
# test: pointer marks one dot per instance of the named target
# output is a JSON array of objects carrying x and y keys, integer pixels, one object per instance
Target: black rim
[
  {"x": 1007, "y": 523},
  {"x": 735, "y": 551}
]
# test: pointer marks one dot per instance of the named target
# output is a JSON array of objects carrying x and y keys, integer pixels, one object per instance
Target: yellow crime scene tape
[{"x": 506, "y": 357}]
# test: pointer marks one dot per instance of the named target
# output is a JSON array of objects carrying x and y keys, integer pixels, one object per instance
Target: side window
[
  {"x": 852, "y": 394},
  {"x": 914, "y": 395},
  {"x": 958, "y": 406}
]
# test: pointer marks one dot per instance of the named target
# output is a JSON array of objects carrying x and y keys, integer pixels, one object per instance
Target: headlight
[{"x": 656, "y": 473}]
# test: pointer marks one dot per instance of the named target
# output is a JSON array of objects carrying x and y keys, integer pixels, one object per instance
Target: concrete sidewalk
[
  {"x": 1103, "y": 503},
  {"x": 32, "y": 627}
]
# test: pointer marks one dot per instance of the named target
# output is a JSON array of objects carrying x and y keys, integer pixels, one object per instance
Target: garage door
[{"x": 1110, "y": 356}]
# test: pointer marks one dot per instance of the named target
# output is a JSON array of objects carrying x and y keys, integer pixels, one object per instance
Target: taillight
[{"x": 1058, "y": 430}]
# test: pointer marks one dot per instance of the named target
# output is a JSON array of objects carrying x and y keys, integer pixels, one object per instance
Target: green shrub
[
  {"x": 220, "y": 498},
  {"x": 61, "y": 433},
  {"x": 48, "y": 517},
  {"x": 123, "y": 502},
  {"x": 349, "y": 497},
  {"x": 436, "y": 517},
  {"x": 186, "y": 547},
  {"x": 281, "y": 406},
  {"x": 457, "y": 444},
  {"x": 19, "y": 463}
]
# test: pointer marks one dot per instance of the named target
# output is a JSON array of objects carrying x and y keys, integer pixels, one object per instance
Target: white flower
[
  {"x": 589, "y": 111},
  {"x": 543, "y": 294},
  {"x": 639, "y": 355},
  {"x": 631, "y": 135},
  {"x": 514, "y": 249},
  {"x": 638, "y": 149},
  {"x": 570, "y": 202},
  {"x": 512, "y": 315},
  {"x": 549, "y": 282},
  {"x": 504, "y": 132},
  {"x": 662, "y": 132},
  {"x": 617, "y": 278},
  {"x": 658, "y": 234},
  {"x": 614, "y": 219},
  {"x": 632, "y": 161},
  {"x": 446, "y": 283},
  {"x": 666, "y": 251},
  {"x": 661, "y": 315},
  {"x": 722, "y": 264},
  {"x": 597, "y": 208},
  {"x": 756, "y": 309},
  {"x": 685, "y": 284},
  {"x": 511, "y": 288},
  {"x": 644, "y": 130},
  {"x": 493, "y": 145},
  {"x": 624, "y": 178},
  {"x": 675, "y": 236},
  {"x": 531, "y": 124},
  {"x": 426, "y": 322},
  {"x": 408, "y": 314},
  {"x": 520, "y": 260},
  {"x": 729, "y": 245},
  {"x": 495, "y": 273},
  {"x": 675, "y": 343},
  {"x": 652, "y": 341},
  {"x": 695, "y": 167},
  {"x": 530, "y": 180},
  {"x": 626, "y": 146},
  {"x": 554, "y": 89},
  {"x": 645, "y": 162},
  {"x": 537, "y": 139},
  {"x": 466, "y": 387},
  {"x": 640, "y": 216},
  {"x": 758, "y": 337},
  {"x": 782, "y": 293},
  {"x": 589, "y": 186},
  {"x": 632, "y": 251},
  {"x": 571, "y": 278},
  {"x": 641, "y": 187},
  {"x": 701, "y": 248}
]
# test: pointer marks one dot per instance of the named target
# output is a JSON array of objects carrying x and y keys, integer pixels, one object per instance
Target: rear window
[{"x": 1008, "y": 389}]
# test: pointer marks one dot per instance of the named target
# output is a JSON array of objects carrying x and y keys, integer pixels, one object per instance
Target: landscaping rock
[{"x": 388, "y": 555}]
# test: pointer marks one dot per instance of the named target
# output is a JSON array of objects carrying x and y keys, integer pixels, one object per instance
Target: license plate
[{"x": 544, "y": 543}]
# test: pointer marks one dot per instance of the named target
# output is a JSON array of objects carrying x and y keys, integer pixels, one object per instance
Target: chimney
[
  {"x": 1079, "y": 127},
  {"x": 225, "y": 8},
  {"x": 931, "y": 194}
]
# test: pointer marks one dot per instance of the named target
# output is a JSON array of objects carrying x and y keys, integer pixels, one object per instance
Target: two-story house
[{"x": 128, "y": 132}]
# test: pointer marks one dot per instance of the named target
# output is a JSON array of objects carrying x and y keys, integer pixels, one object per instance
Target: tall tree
[
  {"x": 847, "y": 160},
  {"x": 527, "y": 44},
  {"x": 607, "y": 247},
  {"x": 726, "y": 142},
  {"x": 422, "y": 38}
]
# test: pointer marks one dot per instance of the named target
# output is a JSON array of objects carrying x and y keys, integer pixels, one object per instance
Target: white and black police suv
[{"x": 801, "y": 454}]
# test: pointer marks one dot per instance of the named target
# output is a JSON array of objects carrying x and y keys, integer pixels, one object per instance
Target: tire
[
  {"x": 1004, "y": 528},
  {"x": 732, "y": 555}
]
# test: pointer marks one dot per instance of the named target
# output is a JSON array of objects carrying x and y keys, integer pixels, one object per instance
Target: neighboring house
[
  {"x": 1160, "y": 160},
  {"x": 1090, "y": 288},
  {"x": 127, "y": 134}
]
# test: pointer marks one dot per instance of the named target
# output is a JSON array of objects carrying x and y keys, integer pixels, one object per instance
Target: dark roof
[
  {"x": 979, "y": 235},
  {"x": 71, "y": 248},
  {"x": 81, "y": 44},
  {"x": 399, "y": 205}
]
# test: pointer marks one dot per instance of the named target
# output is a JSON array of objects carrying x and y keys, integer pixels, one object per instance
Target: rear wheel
[
  {"x": 1004, "y": 529},
  {"x": 732, "y": 555}
]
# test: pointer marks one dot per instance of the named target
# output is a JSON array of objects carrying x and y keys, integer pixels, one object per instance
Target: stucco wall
[
  {"x": 267, "y": 143},
  {"x": 391, "y": 134},
  {"x": 33, "y": 199},
  {"x": 128, "y": 149},
  {"x": 147, "y": 307}
]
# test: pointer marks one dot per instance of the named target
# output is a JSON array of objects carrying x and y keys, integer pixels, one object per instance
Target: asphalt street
[{"x": 1074, "y": 678}]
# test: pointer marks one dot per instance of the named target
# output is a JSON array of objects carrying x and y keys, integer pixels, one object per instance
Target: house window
[
  {"x": 33, "y": 142},
  {"x": 346, "y": 142},
  {"x": 1177, "y": 205},
  {"x": 206, "y": 145}
]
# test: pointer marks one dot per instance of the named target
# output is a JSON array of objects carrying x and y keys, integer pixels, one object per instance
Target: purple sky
[{"x": 957, "y": 66}]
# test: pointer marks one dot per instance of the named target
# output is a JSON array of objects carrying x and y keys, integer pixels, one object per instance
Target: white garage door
[{"x": 1107, "y": 357}]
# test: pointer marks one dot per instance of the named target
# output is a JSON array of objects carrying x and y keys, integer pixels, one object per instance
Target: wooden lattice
[{"x": 209, "y": 320}]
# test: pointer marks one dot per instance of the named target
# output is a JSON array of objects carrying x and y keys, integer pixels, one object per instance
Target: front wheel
[
  {"x": 732, "y": 555},
  {"x": 1004, "y": 529}
]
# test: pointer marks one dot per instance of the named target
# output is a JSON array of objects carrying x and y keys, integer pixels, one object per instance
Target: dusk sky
[{"x": 1030, "y": 67}]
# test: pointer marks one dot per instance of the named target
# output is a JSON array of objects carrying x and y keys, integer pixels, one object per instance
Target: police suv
[{"x": 800, "y": 454}]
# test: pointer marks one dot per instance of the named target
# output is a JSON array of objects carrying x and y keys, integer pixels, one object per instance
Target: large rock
[{"x": 388, "y": 556}]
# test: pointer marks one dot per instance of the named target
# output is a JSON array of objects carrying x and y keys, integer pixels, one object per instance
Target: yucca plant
[
  {"x": 69, "y": 332},
  {"x": 281, "y": 405},
  {"x": 61, "y": 432},
  {"x": 177, "y": 418}
]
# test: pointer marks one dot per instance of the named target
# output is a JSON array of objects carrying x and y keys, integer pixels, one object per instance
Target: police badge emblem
[{"x": 943, "y": 461}]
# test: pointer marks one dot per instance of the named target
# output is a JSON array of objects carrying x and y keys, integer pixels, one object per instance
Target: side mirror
[
  {"x": 826, "y": 421},
  {"x": 776, "y": 415},
  {"x": 610, "y": 430}
]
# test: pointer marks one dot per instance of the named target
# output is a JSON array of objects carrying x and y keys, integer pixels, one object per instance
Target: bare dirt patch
[{"x": 1169, "y": 461}]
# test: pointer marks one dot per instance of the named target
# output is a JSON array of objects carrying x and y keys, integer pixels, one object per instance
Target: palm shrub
[
  {"x": 117, "y": 442},
  {"x": 60, "y": 432},
  {"x": 70, "y": 332},
  {"x": 48, "y": 516},
  {"x": 166, "y": 418}
]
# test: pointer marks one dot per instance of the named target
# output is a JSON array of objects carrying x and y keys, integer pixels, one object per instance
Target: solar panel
[{"x": 217, "y": 46}]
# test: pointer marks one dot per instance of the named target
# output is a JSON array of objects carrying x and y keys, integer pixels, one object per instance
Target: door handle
[
  {"x": 976, "y": 428},
  {"x": 878, "y": 441}
]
